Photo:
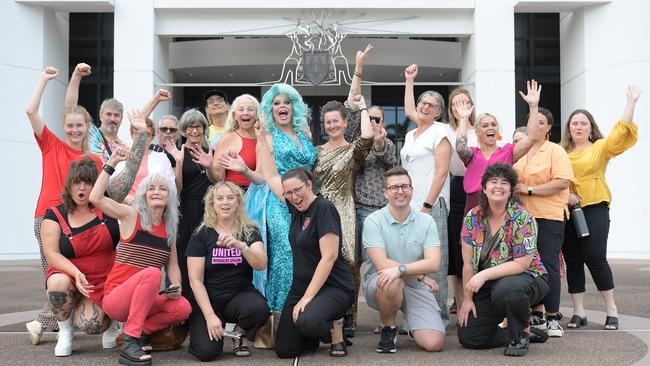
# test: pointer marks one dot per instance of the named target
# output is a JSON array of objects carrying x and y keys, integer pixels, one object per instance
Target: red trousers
[{"x": 137, "y": 303}]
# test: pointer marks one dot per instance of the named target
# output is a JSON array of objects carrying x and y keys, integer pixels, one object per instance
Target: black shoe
[
  {"x": 349, "y": 327},
  {"x": 537, "y": 336},
  {"x": 132, "y": 353},
  {"x": 387, "y": 340},
  {"x": 518, "y": 347},
  {"x": 146, "y": 342}
]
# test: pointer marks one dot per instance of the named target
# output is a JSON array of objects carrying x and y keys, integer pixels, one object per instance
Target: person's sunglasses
[
  {"x": 168, "y": 129},
  {"x": 375, "y": 119}
]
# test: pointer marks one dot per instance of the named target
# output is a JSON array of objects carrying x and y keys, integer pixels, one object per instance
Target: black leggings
[
  {"x": 248, "y": 309},
  {"x": 550, "y": 237},
  {"x": 511, "y": 297},
  {"x": 591, "y": 251},
  {"x": 314, "y": 324},
  {"x": 455, "y": 225}
]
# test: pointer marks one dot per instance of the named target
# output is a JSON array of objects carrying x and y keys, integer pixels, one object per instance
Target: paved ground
[{"x": 22, "y": 295}]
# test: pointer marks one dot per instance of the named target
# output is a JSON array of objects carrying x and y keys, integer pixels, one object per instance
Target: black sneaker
[
  {"x": 537, "y": 335},
  {"x": 387, "y": 340},
  {"x": 518, "y": 347},
  {"x": 537, "y": 321}
]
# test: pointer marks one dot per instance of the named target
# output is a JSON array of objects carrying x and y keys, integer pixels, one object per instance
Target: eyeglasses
[
  {"x": 194, "y": 128},
  {"x": 289, "y": 194},
  {"x": 404, "y": 187},
  {"x": 215, "y": 100},
  {"x": 168, "y": 129},
  {"x": 375, "y": 119},
  {"x": 432, "y": 106}
]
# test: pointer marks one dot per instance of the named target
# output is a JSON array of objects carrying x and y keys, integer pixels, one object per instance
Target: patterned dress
[
  {"x": 334, "y": 176},
  {"x": 288, "y": 155}
]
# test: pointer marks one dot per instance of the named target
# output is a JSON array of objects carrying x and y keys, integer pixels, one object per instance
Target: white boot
[
  {"x": 64, "y": 344},
  {"x": 35, "y": 330},
  {"x": 110, "y": 334}
]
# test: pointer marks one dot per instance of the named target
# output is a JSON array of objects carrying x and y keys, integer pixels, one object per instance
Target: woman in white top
[{"x": 426, "y": 155}]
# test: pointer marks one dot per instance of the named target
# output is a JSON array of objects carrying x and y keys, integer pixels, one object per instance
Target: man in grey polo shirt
[{"x": 403, "y": 247}]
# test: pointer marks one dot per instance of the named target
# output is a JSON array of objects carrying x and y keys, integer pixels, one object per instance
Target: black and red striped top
[{"x": 141, "y": 250}]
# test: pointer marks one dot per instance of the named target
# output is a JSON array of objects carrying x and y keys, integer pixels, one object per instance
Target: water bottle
[{"x": 579, "y": 221}]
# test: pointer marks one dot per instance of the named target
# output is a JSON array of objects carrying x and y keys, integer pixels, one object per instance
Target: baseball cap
[{"x": 220, "y": 93}]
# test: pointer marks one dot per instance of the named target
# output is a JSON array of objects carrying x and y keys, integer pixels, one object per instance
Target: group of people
[{"x": 244, "y": 221}]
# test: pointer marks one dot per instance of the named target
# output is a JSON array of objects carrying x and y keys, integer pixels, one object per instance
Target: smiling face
[
  {"x": 75, "y": 128},
  {"x": 225, "y": 203},
  {"x": 111, "y": 119},
  {"x": 498, "y": 190},
  {"x": 398, "y": 191},
  {"x": 298, "y": 193},
  {"x": 428, "y": 108},
  {"x": 215, "y": 104},
  {"x": 168, "y": 130},
  {"x": 245, "y": 114},
  {"x": 282, "y": 110},
  {"x": 487, "y": 131},
  {"x": 580, "y": 128},
  {"x": 194, "y": 133},
  {"x": 334, "y": 124},
  {"x": 157, "y": 195}
]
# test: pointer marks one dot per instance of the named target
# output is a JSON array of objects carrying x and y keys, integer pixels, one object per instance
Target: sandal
[
  {"x": 241, "y": 350},
  {"x": 576, "y": 322},
  {"x": 453, "y": 309},
  {"x": 611, "y": 323},
  {"x": 132, "y": 353},
  {"x": 338, "y": 350}
]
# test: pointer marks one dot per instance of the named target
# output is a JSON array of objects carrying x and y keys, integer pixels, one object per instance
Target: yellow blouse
[{"x": 589, "y": 164}]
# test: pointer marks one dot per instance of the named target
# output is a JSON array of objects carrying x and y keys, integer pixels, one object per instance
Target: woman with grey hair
[
  {"x": 148, "y": 241},
  {"x": 194, "y": 175},
  {"x": 426, "y": 155},
  {"x": 235, "y": 156}
]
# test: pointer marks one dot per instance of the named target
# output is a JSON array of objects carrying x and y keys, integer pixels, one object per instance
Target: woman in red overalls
[{"x": 79, "y": 244}]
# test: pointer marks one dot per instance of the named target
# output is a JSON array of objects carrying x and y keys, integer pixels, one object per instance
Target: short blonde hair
[{"x": 231, "y": 123}]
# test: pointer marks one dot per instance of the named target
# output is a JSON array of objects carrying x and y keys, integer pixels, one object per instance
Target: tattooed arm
[
  {"x": 464, "y": 111},
  {"x": 119, "y": 187}
]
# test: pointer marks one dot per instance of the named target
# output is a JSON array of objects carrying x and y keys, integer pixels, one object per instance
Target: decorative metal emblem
[{"x": 316, "y": 67}]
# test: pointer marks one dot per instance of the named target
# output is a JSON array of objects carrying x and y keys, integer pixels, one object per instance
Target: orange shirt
[{"x": 549, "y": 162}]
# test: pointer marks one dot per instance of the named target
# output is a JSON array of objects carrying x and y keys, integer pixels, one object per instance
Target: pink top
[{"x": 478, "y": 164}]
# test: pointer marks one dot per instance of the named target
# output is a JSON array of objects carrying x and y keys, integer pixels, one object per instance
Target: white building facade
[{"x": 605, "y": 45}]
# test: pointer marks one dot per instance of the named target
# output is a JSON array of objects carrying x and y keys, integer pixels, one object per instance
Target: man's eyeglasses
[
  {"x": 404, "y": 187},
  {"x": 293, "y": 192},
  {"x": 375, "y": 119},
  {"x": 168, "y": 129},
  {"x": 432, "y": 106},
  {"x": 215, "y": 101}
]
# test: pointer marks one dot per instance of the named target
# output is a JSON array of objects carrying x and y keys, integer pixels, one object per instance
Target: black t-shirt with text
[
  {"x": 305, "y": 232},
  {"x": 227, "y": 271}
]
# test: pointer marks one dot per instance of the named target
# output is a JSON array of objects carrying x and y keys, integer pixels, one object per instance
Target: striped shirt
[{"x": 142, "y": 250}]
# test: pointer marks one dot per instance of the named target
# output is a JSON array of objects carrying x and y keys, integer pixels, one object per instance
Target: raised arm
[
  {"x": 633, "y": 93},
  {"x": 409, "y": 97},
  {"x": 120, "y": 186},
  {"x": 34, "y": 102},
  {"x": 161, "y": 95},
  {"x": 532, "y": 98},
  {"x": 464, "y": 111},
  {"x": 359, "y": 102},
  {"x": 72, "y": 93},
  {"x": 355, "y": 87}
]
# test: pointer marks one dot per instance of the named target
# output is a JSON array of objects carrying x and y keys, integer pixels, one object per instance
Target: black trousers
[
  {"x": 455, "y": 225},
  {"x": 509, "y": 297},
  {"x": 550, "y": 238},
  {"x": 314, "y": 323},
  {"x": 248, "y": 309},
  {"x": 591, "y": 251}
]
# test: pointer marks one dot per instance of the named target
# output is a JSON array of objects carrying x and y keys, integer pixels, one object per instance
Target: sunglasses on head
[{"x": 168, "y": 129}]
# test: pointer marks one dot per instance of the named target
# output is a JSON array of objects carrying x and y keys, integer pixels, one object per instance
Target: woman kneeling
[
  {"x": 221, "y": 257},
  {"x": 148, "y": 235},
  {"x": 503, "y": 275}
]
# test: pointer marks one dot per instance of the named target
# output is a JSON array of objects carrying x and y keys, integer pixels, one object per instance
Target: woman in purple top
[{"x": 488, "y": 132}]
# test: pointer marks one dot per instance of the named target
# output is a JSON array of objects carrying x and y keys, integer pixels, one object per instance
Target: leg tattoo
[{"x": 90, "y": 325}]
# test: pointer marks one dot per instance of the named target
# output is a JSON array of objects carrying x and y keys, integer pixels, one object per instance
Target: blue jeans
[{"x": 362, "y": 213}]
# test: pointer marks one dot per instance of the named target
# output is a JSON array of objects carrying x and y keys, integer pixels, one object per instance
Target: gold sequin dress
[{"x": 334, "y": 176}]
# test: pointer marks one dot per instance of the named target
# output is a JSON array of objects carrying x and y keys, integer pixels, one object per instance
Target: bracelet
[
  {"x": 245, "y": 169},
  {"x": 109, "y": 169},
  {"x": 363, "y": 109},
  {"x": 420, "y": 279},
  {"x": 357, "y": 74},
  {"x": 530, "y": 190}
]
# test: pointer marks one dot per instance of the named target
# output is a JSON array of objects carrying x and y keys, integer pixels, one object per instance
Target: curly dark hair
[
  {"x": 332, "y": 106},
  {"x": 83, "y": 170},
  {"x": 498, "y": 171}
]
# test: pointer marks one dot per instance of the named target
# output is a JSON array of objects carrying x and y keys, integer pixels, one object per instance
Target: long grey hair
[{"x": 170, "y": 214}]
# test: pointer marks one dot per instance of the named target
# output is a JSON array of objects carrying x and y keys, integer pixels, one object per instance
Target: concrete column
[
  {"x": 43, "y": 43},
  {"x": 134, "y": 56},
  {"x": 604, "y": 49},
  {"x": 489, "y": 61}
]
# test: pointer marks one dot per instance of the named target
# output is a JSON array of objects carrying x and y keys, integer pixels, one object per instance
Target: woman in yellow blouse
[{"x": 589, "y": 153}]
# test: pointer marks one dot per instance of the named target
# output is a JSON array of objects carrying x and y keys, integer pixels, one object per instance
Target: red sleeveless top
[{"x": 247, "y": 153}]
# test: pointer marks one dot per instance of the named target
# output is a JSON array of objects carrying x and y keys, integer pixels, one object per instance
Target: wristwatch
[
  {"x": 402, "y": 269},
  {"x": 427, "y": 205},
  {"x": 530, "y": 190}
]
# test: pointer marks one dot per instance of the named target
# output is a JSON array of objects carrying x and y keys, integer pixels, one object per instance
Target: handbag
[{"x": 265, "y": 336}]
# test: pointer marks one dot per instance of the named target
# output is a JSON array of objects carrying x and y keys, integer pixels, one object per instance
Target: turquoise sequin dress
[{"x": 288, "y": 155}]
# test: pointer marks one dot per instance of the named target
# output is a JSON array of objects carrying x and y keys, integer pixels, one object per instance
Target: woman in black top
[
  {"x": 322, "y": 290},
  {"x": 79, "y": 243},
  {"x": 221, "y": 257},
  {"x": 194, "y": 174}
]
